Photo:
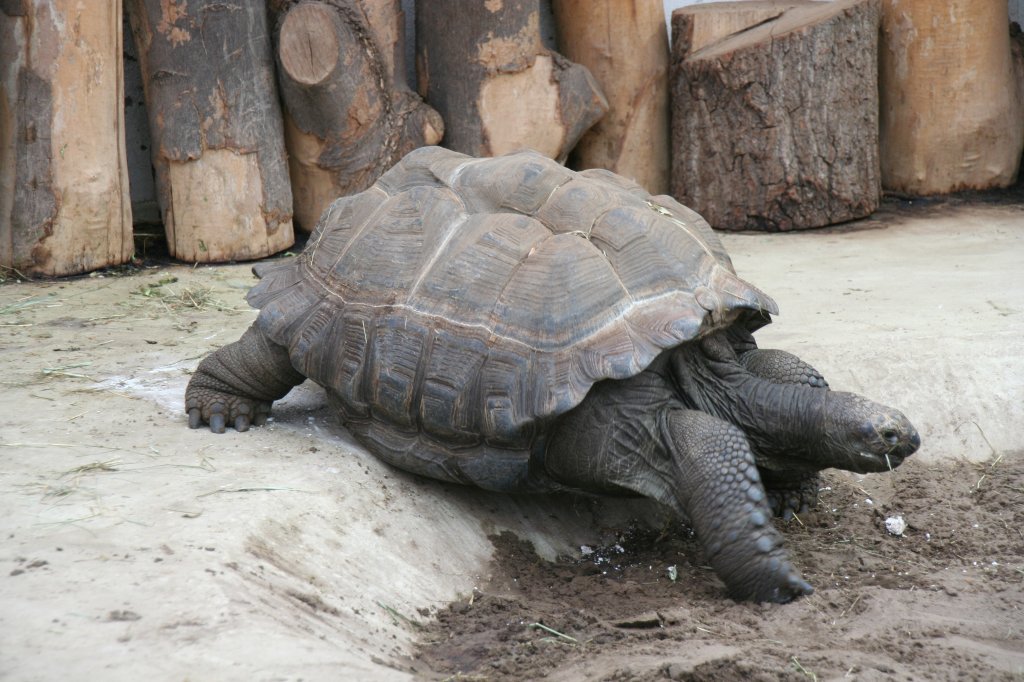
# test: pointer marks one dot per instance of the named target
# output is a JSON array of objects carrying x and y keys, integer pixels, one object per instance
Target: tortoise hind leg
[{"x": 237, "y": 383}]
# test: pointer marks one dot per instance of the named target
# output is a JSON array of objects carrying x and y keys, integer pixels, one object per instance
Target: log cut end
[
  {"x": 308, "y": 45},
  {"x": 775, "y": 122},
  {"x": 348, "y": 114},
  {"x": 697, "y": 26}
]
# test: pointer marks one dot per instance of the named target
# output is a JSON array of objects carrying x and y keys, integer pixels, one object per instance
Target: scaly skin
[
  {"x": 635, "y": 437},
  {"x": 681, "y": 432},
  {"x": 789, "y": 492},
  {"x": 782, "y": 367},
  {"x": 721, "y": 491},
  {"x": 691, "y": 432},
  {"x": 237, "y": 384}
]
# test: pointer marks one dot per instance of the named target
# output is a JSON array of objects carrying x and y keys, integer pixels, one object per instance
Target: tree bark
[
  {"x": 218, "y": 141},
  {"x": 775, "y": 125},
  {"x": 348, "y": 113},
  {"x": 64, "y": 203},
  {"x": 483, "y": 67},
  {"x": 624, "y": 44},
  {"x": 951, "y": 112}
]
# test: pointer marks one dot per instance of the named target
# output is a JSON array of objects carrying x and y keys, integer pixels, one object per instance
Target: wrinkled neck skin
[{"x": 784, "y": 423}]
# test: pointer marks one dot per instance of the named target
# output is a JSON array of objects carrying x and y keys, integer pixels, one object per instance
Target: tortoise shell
[{"x": 457, "y": 306}]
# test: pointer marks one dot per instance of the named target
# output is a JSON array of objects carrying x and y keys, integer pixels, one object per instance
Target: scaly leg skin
[
  {"x": 781, "y": 367},
  {"x": 698, "y": 465},
  {"x": 236, "y": 384},
  {"x": 721, "y": 492},
  {"x": 789, "y": 492}
]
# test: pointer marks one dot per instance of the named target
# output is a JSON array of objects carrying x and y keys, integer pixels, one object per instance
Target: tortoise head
[{"x": 863, "y": 436}]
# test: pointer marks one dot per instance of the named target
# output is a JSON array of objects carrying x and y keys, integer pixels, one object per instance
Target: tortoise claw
[
  {"x": 798, "y": 586},
  {"x": 221, "y": 410},
  {"x": 262, "y": 413}
]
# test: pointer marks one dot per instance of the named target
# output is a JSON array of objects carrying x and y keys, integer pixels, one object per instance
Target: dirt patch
[
  {"x": 136, "y": 548},
  {"x": 941, "y": 601}
]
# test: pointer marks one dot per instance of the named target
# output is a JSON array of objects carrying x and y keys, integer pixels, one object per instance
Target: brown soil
[
  {"x": 942, "y": 601},
  {"x": 134, "y": 548}
]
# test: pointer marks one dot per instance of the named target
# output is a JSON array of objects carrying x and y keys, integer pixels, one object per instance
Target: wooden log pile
[{"x": 262, "y": 112}]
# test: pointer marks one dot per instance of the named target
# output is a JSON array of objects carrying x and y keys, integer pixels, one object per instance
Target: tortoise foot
[
  {"x": 766, "y": 574},
  {"x": 790, "y": 494},
  {"x": 218, "y": 409}
]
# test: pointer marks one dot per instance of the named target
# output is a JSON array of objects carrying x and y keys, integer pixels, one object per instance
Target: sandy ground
[{"x": 135, "y": 548}]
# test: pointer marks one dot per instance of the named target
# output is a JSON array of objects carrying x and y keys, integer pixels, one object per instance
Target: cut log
[
  {"x": 483, "y": 66},
  {"x": 701, "y": 25},
  {"x": 775, "y": 126},
  {"x": 951, "y": 116},
  {"x": 64, "y": 203},
  {"x": 624, "y": 44},
  {"x": 348, "y": 113},
  {"x": 218, "y": 139}
]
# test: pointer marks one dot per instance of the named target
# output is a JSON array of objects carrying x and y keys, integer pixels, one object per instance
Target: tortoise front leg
[
  {"x": 781, "y": 367},
  {"x": 789, "y": 492},
  {"x": 720, "y": 489},
  {"x": 700, "y": 466},
  {"x": 236, "y": 384}
]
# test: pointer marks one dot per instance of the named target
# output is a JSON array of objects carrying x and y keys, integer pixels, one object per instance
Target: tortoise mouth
[
  {"x": 871, "y": 461},
  {"x": 899, "y": 450}
]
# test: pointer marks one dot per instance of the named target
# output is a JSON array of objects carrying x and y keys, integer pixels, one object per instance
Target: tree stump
[
  {"x": 483, "y": 67},
  {"x": 706, "y": 24},
  {"x": 775, "y": 126},
  {"x": 218, "y": 142},
  {"x": 64, "y": 203},
  {"x": 625, "y": 46},
  {"x": 951, "y": 113},
  {"x": 348, "y": 113}
]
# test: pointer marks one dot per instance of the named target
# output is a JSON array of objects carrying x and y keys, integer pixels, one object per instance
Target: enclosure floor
[{"x": 135, "y": 548}]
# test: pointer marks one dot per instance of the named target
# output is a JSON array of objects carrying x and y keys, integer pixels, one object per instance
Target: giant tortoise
[{"x": 514, "y": 325}]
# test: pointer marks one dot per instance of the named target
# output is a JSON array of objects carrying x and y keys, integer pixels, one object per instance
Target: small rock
[{"x": 895, "y": 525}]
